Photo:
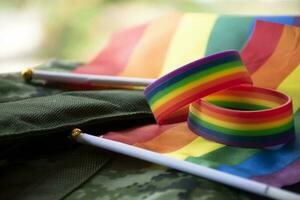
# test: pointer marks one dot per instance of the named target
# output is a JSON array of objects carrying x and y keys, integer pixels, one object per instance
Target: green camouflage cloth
[
  {"x": 54, "y": 167},
  {"x": 127, "y": 178}
]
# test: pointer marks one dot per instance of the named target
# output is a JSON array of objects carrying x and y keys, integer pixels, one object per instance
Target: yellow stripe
[
  {"x": 190, "y": 40},
  {"x": 239, "y": 99},
  {"x": 290, "y": 86},
  {"x": 194, "y": 84},
  {"x": 196, "y": 148},
  {"x": 240, "y": 126}
]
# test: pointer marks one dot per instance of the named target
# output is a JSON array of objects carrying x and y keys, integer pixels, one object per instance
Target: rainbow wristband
[
  {"x": 229, "y": 112},
  {"x": 244, "y": 116},
  {"x": 193, "y": 81}
]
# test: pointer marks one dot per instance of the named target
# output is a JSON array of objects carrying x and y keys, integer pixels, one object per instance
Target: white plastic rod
[
  {"x": 64, "y": 77},
  {"x": 184, "y": 166}
]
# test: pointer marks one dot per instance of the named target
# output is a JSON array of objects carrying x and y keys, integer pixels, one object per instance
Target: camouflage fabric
[
  {"x": 128, "y": 178},
  {"x": 61, "y": 169}
]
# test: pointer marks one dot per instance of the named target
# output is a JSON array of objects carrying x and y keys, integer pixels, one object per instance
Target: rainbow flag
[
  {"x": 168, "y": 42},
  {"x": 271, "y": 52}
]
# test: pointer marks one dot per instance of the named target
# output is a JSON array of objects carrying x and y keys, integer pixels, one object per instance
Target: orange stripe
[
  {"x": 282, "y": 62},
  {"x": 148, "y": 57},
  {"x": 170, "y": 140}
]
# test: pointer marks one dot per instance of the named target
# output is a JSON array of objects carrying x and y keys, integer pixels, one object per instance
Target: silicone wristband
[
  {"x": 193, "y": 81},
  {"x": 244, "y": 116},
  {"x": 229, "y": 112}
]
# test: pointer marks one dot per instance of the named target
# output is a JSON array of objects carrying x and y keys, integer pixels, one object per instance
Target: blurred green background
[{"x": 33, "y": 31}]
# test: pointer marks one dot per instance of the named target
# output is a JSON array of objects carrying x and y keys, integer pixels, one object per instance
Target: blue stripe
[
  {"x": 268, "y": 161},
  {"x": 265, "y": 162}
]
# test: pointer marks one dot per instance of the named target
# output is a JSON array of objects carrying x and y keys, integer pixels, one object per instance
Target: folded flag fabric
[
  {"x": 272, "y": 56},
  {"x": 168, "y": 42}
]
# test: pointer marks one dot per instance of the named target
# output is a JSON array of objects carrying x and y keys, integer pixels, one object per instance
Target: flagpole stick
[
  {"x": 64, "y": 77},
  {"x": 198, "y": 170}
]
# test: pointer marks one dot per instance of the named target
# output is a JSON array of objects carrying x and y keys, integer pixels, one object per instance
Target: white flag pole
[
  {"x": 181, "y": 165},
  {"x": 65, "y": 77}
]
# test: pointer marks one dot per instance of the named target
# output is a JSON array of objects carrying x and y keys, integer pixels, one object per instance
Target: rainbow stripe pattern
[
  {"x": 185, "y": 37},
  {"x": 244, "y": 116},
  {"x": 193, "y": 81}
]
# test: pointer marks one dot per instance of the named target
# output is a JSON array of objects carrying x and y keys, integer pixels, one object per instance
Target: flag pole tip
[
  {"x": 27, "y": 73},
  {"x": 76, "y": 132}
]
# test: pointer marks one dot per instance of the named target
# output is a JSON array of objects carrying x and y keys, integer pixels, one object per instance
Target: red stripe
[
  {"x": 261, "y": 45},
  {"x": 138, "y": 135},
  {"x": 180, "y": 115},
  {"x": 114, "y": 57}
]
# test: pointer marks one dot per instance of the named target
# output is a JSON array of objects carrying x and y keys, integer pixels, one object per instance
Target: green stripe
[
  {"x": 220, "y": 156},
  {"x": 195, "y": 77},
  {"x": 238, "y": 105},
  {"x": 228, "y": 131},
  {"x": 229, "y": 32}
]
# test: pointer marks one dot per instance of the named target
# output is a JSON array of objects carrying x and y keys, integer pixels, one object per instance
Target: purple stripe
[
  {"x": 296, "y": 21},
  {"x": 287, "y": 176},
  {"x": 190, "y": 66}
]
